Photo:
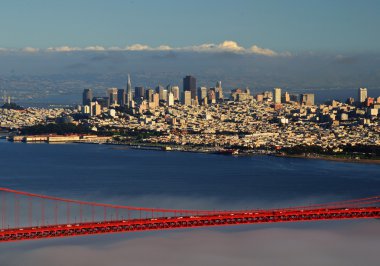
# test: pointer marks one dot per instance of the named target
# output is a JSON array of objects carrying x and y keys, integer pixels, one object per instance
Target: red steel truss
[{"x": 27, "y": 216}]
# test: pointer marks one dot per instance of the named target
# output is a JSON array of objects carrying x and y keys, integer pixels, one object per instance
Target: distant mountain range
[{"x": 100, "y": 69}]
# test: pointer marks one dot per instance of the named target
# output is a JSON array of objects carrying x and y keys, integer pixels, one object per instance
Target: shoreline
[
  {"x": 251, "y": 153},
  {"x": 144, "y": 146},
  {"x": 331, "y": 158}
]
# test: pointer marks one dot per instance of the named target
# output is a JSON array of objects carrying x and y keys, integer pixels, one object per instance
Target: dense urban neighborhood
[{"x": 203, "y": 119}]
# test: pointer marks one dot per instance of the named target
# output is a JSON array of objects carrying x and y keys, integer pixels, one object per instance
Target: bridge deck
[{"x": 168, "y": 223}]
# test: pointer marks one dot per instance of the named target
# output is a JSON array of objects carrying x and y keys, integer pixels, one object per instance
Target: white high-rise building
[
  {"x": 362, "y": 95},
  {"x": 164, "y": 95},
  {"x": 277, "y": 95},
  {"x": 219, "y": 91},
  {"x": 170, "y": 99}
]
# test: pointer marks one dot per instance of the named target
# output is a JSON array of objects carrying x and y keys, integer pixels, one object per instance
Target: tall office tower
[
  {"x": 112, "y": 96},
  {"x": 219, "y": 91},
  {"x": 286, "y": 97},
  {"x": 204, "y": 101},
  {"x": 95, "y": 109},
  {"x": 87, "y": 96},
  {"x": 170, "y": 99},
  {"x": 129, "y": 98},
  {"x": 307, "y": 99},
  {"x": 175, "y": 91},
  {"x": 186, "y": 98},
  {"x": 92, "y": 107},
  {"x": 149, "y": 95},
  {"x": 160, "y": 90},
  {"x": 139, "y": 93},
  {"x": 190, "y": 84},
  {"x": 362, "y": 94},
  {"x": 202, "y": 93},
  {"x": 165, "y": 95},
  {"x": 277, "y": 95},
  {"x": 121, "y": 97},
  {"x": 156, "y": 99}
]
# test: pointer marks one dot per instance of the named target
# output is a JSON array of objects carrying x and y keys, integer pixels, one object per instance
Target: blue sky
[{"x": 292, "y": 25}]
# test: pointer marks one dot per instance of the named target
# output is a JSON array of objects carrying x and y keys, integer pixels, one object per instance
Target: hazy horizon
[{"x": 66, "y": 74}]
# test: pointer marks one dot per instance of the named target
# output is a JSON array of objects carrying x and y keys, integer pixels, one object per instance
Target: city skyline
[{"x": 172, "y": 94}]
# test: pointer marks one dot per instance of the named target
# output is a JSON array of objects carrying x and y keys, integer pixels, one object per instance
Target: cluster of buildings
[
  {"x": 277, "y": 97},
  {"x": 60, "y": 139},
  {"x": 206, "y": 117},
  {"x": 141, "y": 99},
  {"x": 254, "y": 125},
  {"x": 16, "y": 119}
]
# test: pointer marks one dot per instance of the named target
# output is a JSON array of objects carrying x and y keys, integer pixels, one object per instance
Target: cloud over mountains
[
  {"x": 225, "y": 47},
  {"x": 236, "y": 65}
]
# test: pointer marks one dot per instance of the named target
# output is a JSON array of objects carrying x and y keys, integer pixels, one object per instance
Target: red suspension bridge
[{"x": 27, "y": 216}]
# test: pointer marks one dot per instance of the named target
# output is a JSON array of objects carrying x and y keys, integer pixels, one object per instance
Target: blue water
[
  {"x": 192, "y": 181},
  {"x": 167, "y": 179}
]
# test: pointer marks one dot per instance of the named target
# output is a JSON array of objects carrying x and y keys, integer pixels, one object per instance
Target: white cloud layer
[
  {"x": 63, "y": 49},
  {"x": 30, "y": 50},
  {"x": 226, "y": 46},
  {"x": 263, "y": 51}
]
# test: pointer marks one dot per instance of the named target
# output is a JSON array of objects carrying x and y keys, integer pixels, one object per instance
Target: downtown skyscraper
[
  {"x": 190, "y": 84},
  {"x": 121, "y": 97},
  {"x": 277, "y": 95},
  {"x": 362, "y": 95},
  {"x": 129, "y": 97},
  {"x": 87, "y": 97}
]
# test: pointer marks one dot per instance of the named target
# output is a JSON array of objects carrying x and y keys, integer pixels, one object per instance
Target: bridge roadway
[{"x": 168, "y": 223}]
